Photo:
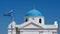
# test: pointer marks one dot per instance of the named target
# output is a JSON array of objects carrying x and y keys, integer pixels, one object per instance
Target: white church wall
[
  {"x": 9, "y": 32},
  {"x": 31, "y": 26},
  {"x": 47, "y": 32},
  {"x": 29, "y": 32}
]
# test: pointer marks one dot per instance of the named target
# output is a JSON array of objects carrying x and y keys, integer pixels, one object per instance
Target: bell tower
[{"x": 34, "y": 15}]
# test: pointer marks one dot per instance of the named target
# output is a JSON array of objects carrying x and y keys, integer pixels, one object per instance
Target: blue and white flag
[{"x": 9, "y": 13}]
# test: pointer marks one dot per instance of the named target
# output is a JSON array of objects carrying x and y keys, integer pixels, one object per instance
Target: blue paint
[{"x": 34, "y": 12}]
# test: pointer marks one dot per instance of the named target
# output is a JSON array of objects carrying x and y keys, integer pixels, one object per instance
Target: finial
[
  {"x": 55, "y": 22},
  {"x": 12, "y": 24},
  {"x": 34, "y": 7}
]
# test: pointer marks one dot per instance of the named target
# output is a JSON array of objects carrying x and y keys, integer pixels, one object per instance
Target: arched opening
[
  {"x": 26, "y": 20},
  {"x": 39, "y": 20}
]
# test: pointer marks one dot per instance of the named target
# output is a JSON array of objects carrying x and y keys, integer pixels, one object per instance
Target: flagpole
[
  {"x": 12, "y": 18},
  {"x": 10, "y": 14}
]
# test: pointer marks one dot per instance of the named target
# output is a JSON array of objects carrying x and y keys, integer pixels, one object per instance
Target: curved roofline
[{"x": 34, "y": 12}]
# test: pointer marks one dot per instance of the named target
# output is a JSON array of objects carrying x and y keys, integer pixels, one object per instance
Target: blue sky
[{"x": 49, "y": 8}]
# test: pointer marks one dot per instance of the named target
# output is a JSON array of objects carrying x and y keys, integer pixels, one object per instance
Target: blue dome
[{"x": 34, "y": 13}]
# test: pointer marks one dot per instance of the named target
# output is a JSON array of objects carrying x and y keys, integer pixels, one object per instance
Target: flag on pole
[{"x": 10, "y": 13}]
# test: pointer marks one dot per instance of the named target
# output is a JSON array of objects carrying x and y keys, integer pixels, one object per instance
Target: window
[
  {"x": 39, "y": 20},
  {"x": 26, "y": 20}
]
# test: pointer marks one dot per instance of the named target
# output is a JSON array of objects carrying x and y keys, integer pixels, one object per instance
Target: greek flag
[{"x": 9, "y": 13}]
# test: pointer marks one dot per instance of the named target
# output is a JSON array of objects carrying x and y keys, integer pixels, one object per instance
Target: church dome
[{"x": 34, "y": 13}]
